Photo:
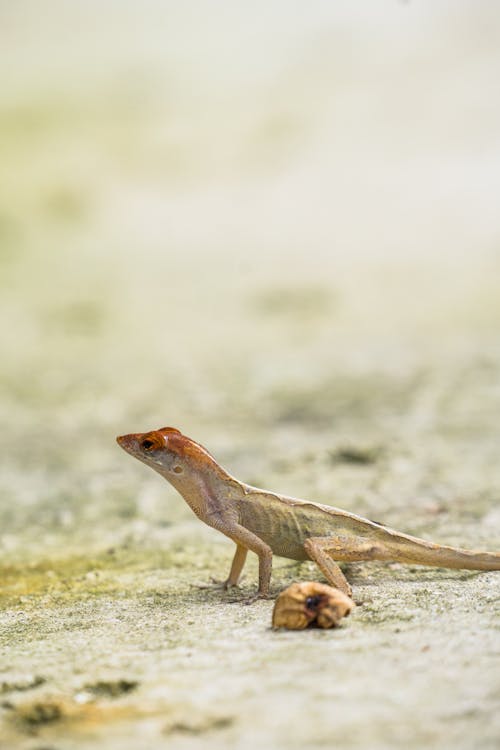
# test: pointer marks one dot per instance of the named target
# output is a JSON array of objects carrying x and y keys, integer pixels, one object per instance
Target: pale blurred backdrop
[
  {"x": 213, "y": 212},
  {"x": 276, "y": 226}
]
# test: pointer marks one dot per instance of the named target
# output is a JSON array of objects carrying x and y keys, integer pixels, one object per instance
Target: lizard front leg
[
  {"x": 239, "y": 559},
  {"x": 246, "y": 540}
]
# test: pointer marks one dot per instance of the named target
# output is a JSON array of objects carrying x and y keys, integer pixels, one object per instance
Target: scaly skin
[{"x": 267, "y": 523}]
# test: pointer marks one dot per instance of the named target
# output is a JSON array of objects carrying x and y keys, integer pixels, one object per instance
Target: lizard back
[{"x": 285, "y": 523}]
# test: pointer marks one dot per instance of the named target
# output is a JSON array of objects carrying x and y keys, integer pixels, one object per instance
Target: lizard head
[{"x": 168, "y": 451}]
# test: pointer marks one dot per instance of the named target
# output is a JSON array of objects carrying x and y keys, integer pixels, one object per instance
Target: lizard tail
[{"x": 409, "y": 549}]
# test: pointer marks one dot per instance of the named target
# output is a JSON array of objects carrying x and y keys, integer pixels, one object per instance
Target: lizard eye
[
  {"x": 178, "y": 469},
  {"x": 147, "y": 444}
]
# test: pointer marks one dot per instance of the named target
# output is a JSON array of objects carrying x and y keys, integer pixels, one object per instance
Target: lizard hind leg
[
  {"x": 316, "y": 548},
  {"x": 324, "y": 549}
]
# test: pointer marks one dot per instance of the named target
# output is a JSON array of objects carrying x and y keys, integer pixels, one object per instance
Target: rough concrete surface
[{"x": 293, "y": 255}]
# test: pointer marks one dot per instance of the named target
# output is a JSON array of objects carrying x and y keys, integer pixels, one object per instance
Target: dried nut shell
[{"x": 303, "y": 604}]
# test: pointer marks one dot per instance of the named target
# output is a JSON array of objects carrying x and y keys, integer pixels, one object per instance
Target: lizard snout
[{"x": 127, "y": 442}]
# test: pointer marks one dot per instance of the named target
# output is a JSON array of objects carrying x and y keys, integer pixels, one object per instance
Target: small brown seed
[{"x": 303, "y": 604}]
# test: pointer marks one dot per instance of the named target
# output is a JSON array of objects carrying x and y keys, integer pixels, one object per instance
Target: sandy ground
[{"x": 280, "y": 234}]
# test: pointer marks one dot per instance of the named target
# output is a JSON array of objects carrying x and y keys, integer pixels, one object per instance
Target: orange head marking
[
  {"x": 168, "y": 430},
  {"x": 168, "y": 451},
  {"x": 184, "y": 447}
]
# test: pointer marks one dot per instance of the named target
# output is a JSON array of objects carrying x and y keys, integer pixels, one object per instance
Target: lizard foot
[
  {"x": 251, "y": 599},
  {"x": 216, "y": 584}
]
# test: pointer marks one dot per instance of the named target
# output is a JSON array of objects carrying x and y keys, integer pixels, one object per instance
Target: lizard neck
[
  {"x": 194, "y": 491},
  {"x": 207, "y": 490}
]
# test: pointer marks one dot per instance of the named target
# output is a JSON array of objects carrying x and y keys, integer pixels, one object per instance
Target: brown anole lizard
[{"x": 271, "y": 524}]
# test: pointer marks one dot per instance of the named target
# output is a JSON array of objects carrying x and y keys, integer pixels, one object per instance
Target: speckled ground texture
[{"x": 276, "y": 229}]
